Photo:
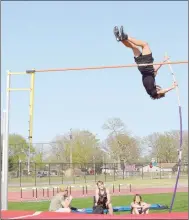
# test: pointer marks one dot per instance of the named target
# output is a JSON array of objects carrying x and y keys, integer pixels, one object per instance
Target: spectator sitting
[
  {"x": 102, "y": 198},
  {"x": 138, "y": 206},
  {"x": 61, "y": 201}
]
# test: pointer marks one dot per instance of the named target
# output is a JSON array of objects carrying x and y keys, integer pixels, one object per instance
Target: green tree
[
  {"x": 176, "y": 137},
  {"x": 121, "y": 144},
  {"x": 38, "y": 158},
  {"x": 115, "y": 126},
  {"x": 19, "y": 148},
  {"x": 11, "y": 164},
  {"x": 84, "y": 144},
  {"x": 164, "y": 146},
  {"x": 126, "y": 147},
  {"x": 185, "y": 147}
]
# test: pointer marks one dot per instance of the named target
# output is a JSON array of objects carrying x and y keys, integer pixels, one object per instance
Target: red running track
[
  {"x": 28, "y": 195},
  {"x": 55, "y": 215}
]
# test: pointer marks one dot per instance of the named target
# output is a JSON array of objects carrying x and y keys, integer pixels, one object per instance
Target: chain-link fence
[{"x": 41, "y": 174}]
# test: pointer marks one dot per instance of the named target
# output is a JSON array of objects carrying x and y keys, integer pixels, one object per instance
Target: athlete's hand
[
  {"x": 175, "y": 84},
  {"x": 166, "y": 58}
]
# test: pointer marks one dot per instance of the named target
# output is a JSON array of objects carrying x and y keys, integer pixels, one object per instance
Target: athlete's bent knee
[
  {"x": 145, "y": 45},
  {"x": 146, "y": 49}
]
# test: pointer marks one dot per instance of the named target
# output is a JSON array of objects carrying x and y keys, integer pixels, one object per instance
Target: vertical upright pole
[
  {"x": 31, "y": 108},
  {"x": 5, "y": 152},
  {"x": 3, "y": 161},
  {"x": 2, "y": 134}
]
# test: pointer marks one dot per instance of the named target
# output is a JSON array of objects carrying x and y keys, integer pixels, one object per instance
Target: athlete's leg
[
  {"x": 146, "y": 211},
  {"x": 135, "y": 49},
  {"x": 128, "y": 44},
  {"x": 110, "y": 209},
  {"x": 135, "y": 211},
  {"x": 144, "y": 45}
]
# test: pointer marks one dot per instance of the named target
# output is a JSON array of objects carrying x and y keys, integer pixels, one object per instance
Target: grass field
[{"x": 180, "y": 205}]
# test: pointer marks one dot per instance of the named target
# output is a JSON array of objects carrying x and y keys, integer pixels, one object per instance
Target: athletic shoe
[
  {"x": 123, "y": 35},
  {"x": 116, "y": 33}
]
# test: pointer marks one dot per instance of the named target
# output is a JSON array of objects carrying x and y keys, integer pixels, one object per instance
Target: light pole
[
  {"x": 94, "y": 167},
  {"x": 106, "y": 151},
  {"x": 104, "y": 157}
]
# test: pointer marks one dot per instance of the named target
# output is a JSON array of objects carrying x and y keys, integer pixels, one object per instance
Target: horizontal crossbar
[{"x": 105, "y": 67}]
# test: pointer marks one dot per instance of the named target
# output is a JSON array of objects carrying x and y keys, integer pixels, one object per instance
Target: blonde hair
[
  {"x": 99, "y": 182},
  {"x": 63, "y": 188}
]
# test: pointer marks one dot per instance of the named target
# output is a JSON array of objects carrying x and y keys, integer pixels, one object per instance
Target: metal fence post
[
  {"x": 105, "y": 172},
  {"x": 123, "y": 172},
  {"x": 114, "y": 171},
  {"x": 49, "y": 174},
  {"x": 73, "y": 167},
  {"x": 160, "y": 170},
  {"x": 85, "y": 178},
  {"x": 20, "y": 172},
  {"x": 35, "y": 173},
  {"x": 95, "y": 172},
  {"x": 62, "y": 173}
]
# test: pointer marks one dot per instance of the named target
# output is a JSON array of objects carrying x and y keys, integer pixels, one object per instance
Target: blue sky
[{"x": 52, "y": 34}]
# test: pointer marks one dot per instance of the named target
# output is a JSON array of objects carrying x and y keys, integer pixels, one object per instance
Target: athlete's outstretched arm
[
  {"x": 67, "y": 202},
  {"x": 157, "y": 67},
  {"x": 163, "y": 91},
  {"x": 108, "y": 196},
  {"x": 96, "y": 196},
  {"x": 133, "y": 205}
]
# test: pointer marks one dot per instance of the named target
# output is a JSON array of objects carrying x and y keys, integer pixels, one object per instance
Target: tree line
[{"x": 82, "y": 146}]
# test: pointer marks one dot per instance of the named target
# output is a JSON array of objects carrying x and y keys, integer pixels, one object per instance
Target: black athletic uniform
[
  {"x": 101, "y": 203},
  {"x": 148, "y": 77},
  {"x": 102, "y": 199}
]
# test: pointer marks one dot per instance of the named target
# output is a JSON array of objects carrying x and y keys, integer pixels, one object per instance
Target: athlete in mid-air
[{"x": 148, "y": 72}]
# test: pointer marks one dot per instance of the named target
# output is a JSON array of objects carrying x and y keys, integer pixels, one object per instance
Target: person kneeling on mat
[
  {"x": 61, "y": 202},
  {"x": 138, "y": 206},
  {"x": 102, "y": 199}
]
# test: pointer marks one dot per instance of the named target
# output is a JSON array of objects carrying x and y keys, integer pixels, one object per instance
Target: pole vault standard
[
  {"x": 32, "y": 72},
  {"x": 4, "y": 194}
]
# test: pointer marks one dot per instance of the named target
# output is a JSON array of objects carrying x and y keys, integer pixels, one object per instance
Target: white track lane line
[{"x": 25, "y": 216}]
